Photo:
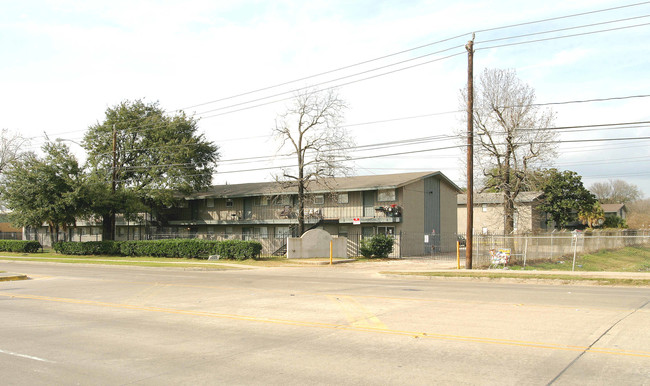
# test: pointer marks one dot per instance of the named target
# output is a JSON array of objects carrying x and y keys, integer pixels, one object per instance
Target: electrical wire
[
  {"x": 412, "y": 49},
  {"x": 478, "y": 42},
  {"x": 561, "y": 37}
]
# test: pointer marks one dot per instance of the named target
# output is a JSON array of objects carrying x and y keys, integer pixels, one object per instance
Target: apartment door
[
  {"x": 248, "y": 208},
  {"x": 369, "y": 203}
]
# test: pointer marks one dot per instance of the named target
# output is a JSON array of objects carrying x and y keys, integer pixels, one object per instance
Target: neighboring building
[
  {"x": 489, "y": 215},
  {"x": 414, "y": 206},
  {"x": 8, "y": 231},
  {"x": 615, "y": 210}
]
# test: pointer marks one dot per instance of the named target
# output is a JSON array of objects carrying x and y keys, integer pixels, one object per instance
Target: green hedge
[
  {"x": 111, "y": 248},
  {"x": 186, "y": 248},
  {"x": 238, "y": 250},
  {"x": 181, "y": 248},
  {"x": 25, "y": 246}
]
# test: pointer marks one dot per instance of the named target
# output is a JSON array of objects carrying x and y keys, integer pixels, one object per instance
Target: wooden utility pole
[{"x": 470, "y": 153}]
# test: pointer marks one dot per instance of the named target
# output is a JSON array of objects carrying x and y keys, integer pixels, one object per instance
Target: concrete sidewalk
[{"x": 417, "y": 265}]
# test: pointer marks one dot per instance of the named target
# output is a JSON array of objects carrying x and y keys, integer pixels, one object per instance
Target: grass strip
[
  {"x": 152, "y": 262},
  {"x": 14, "y": 277},
  {"x": 565, "y": 279}
]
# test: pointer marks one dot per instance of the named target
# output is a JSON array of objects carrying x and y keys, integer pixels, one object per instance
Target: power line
[
  {"x": 561, "y": 29},
  {"x": 417, "y": 48},
  {"x": 562, "y": 37},
  {"x": 565, "y": 17},
  {"x": 412, "y": 49},
  {"x": 330, "y": 81}
]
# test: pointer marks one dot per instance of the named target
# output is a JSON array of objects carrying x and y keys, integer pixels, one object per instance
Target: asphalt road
[{"x": 78, "y": 324}]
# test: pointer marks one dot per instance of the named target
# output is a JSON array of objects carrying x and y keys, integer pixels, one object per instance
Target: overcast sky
[{"x": 64, "y": 62}]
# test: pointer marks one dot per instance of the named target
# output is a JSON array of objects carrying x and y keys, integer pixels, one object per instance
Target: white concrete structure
[{"x": 316, "y": 243}]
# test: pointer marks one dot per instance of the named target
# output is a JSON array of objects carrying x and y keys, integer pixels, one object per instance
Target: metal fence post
[{"x": 525, "y": 252}]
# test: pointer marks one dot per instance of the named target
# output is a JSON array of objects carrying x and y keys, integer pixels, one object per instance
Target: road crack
[{"x": 596, "y": 341}]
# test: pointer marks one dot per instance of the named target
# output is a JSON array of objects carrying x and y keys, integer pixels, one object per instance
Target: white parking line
[{"x": 24, "y": 356}]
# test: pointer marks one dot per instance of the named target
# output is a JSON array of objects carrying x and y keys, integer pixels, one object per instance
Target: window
[
  {"x": 515, "y": 220},
  {"x": 343, "y": 231},
  {"x": 228, "y": 203},
  {"x": 319, "y": 199},
  {"x": 484, "y": 207},
  {"x": 263, "y": 232},
  {"x": 388, "y": 231},
  {"x": 282, "y": 232},
  {"x": 343, "y": 198},
  {"x": 386, "y": 195},
  {"x": 282, "y": 200},
  {"x": 209, "y": 203}
]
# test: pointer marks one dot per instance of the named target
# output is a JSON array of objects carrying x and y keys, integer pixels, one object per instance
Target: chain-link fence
[
  {"x": 554, "y": 245},
  {"x": 11, "y": 236},
  {"x": 521, "y": 248}
]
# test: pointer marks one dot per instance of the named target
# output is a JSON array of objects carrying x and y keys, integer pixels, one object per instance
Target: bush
[
  {"x": 111, "y": 248},
  {"x": 238, "y": 249},
  {"x": 24, "y": 246},
  {"x": 614, "y": 222},
  {"x": 377, "y": 246},
  {"x": 181, "y": 248}
]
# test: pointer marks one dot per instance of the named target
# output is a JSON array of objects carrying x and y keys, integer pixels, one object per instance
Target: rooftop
[
  {"x": 325, "y": 185},
  {"x": 497, "y": 198}
]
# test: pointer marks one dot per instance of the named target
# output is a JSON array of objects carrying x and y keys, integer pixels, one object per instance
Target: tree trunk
[
  {"x": 301, "y": 206},
  {"x": 54, "y": 234},
  {"x": 508, "y": 202},
  {"x": 108, "y": 227}
]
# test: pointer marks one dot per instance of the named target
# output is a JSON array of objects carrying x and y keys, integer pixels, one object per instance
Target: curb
[
  {"x": 7, "y": 276},
  {"x": 308, "y": 262}
]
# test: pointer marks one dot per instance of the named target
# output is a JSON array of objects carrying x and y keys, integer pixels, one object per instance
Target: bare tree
[
  {"x": 11, "y": 148},
  {"x": 615, "y": 192},
  {"x": 514, "y": 136},
  {"x": 310, "y": 129},
  {"x": 639, "y": 214}
]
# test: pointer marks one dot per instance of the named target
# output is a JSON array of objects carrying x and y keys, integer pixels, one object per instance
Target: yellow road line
[
  {"x": 146, "y": 293},
  {"x": 425, "y": 300},
  {"x": 472, "y": 339},
  {"x": 357, "y": 314}
]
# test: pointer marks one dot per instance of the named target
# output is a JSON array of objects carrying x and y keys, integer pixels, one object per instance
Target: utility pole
[{"x": 470, "y": 153}]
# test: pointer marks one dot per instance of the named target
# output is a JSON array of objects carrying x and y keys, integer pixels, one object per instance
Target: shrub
[
  {"x": 111, "y": 248},
  {"x": 377, "y": 246},
  {"x": 181, "y": 248},
  {"x": 238, "y": 249},
  {"x": 24, "y": 246}
]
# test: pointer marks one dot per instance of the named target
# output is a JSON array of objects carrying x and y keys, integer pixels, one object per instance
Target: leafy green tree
[
  {"x": 44, "y": 190},
  {"x": 565, "y": 196},
  {"x": 140, "y": 153}
]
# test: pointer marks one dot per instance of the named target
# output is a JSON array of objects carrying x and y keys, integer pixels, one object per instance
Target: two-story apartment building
[
  {"x": 407, "y": 203},
  {"x": 411, "y": 205}
]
